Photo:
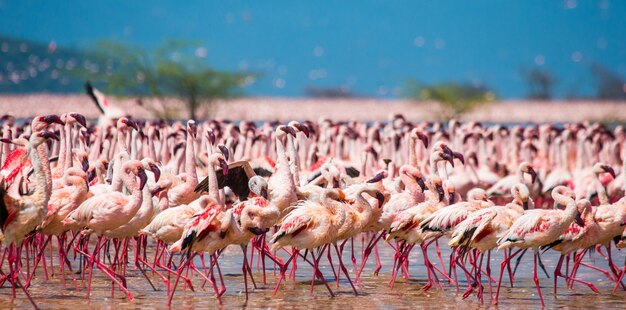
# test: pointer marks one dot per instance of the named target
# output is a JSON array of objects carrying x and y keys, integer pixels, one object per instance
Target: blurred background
[{"x": 180, "y": 60}]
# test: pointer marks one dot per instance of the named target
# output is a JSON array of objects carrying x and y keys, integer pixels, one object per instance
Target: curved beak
[
  {"x": 451, "y": 199},
  {"x": 264, "y": 193},
  {"x": 91, "y": 175},
  {"x": 458, "y": 156},
  {"x": 288, "y": 130},
  {"x": 442, "y": 195},
  {"x": 224, "y": 166},
  {"x": 50, "y": 135},
  {"x": 132, "y": 124},
  {"x": 192, "y": 128},
  {"x": 525, "y": 204},
  {"x": 533, "y": 174},
  {"x": 211, "y": 136},
  {"x": 224, "y": 151},
  {"x": 377, "y": 178},
  {"x": 421, "y": 183},
  {"x": 424, "y": 138},
  {"x": 303, "y": 129},
  {"x": 381, "y": 199},
  {"x": 5, "y": 140},
  {"x": 156, "y": 171},
  {"x": 579, "y": 220},
  {"x": 448, "y": 158},
  {"x": 80, "y": 119},
  {"x": 85, "y": 163},
  {"x": 447, "y": 150},
  {"x": 258, "y": 231},
  {"x": 335, "y": 183},
  {"x": 608, "y": 169},
  {"x": 52, "y": 119},
  {"x": 143, "y": 178}
]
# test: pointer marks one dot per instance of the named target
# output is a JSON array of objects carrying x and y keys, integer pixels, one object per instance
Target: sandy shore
[{"x": 361, "y": 109}]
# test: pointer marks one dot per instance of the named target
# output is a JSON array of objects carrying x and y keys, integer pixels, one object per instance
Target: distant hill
[{"x": 27, "y": 67}]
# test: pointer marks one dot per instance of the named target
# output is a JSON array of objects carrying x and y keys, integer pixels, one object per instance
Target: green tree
[
  {"x": 455, "y": 99},
  {"x": 175, "y": 69}
]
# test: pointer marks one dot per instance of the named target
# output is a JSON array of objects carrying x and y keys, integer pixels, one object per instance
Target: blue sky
[{"x": 371, "y": 47}]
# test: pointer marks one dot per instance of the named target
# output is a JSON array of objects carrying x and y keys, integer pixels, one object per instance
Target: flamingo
[
  {"x": 20, "y": 215},
  {"x": 536, "y": 228}
]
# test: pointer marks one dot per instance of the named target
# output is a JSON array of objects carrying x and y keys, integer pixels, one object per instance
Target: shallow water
[{"x": 374, "y": 292}]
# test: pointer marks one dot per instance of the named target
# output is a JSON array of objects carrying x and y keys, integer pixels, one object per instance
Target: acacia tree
[
  {"x": 540, "y": 83},
  {"x": 455, "y": 99},
  {"x": 172, "y": 70}
]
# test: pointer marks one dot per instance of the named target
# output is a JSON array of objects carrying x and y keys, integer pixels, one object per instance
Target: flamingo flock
[{"x": 166, "y": 199}]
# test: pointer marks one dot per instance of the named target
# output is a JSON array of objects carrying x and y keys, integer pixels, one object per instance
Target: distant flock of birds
[{"x": 156, "y": 196}]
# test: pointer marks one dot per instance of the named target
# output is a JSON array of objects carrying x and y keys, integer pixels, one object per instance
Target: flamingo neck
[
  {"x": 602, "y": 195},
  {"x": 294, "y": 163},
  {"x": 190, "y": 160},
  {"x": 214, "y": 191},
  {"x": 43, "y": 177}
]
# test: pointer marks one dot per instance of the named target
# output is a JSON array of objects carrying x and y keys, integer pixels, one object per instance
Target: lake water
[{"x": 374, "y": 292}]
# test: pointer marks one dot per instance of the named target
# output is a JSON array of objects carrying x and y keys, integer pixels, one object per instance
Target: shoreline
[{"x": 360, "y": 109}]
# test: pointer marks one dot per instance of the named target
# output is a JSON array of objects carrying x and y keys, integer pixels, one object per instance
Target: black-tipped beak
[
  {"x": 156, "y": 171},
  {"x": 258, "y": 231},
  {"x": 458, "y": 156},
  {"x": 5, "y": 140},
  {"x": 441, "y": 193},
  {"x": 579, "y": 220},
  {"x": 91, "y": 175},
  {"x": 448, "y": 158},
  {"x": 143, "y": 178},
  {"x": 381, "y": 199},
  {"x": 451, "y": 198},
  {"x": 303, "y": 129},
  {"x": 211, "y": 136},
  {"x": 50, "y": 135},
  {"x": 52, "y": 119},
  {"x": 132, "y": 124},
  {"x": 424, "y": 139},
  {"x": 224, "y": 151},
  {"x": 192, "y": 128},
  {"x": 609, "y": 170},
  {"x": 533, "y": 175},
  {"x": 288, "y": 130},
  {"x": 447, "y": 150},
  {"x": 335, "y": 183},
  {"x": 80, "y": 119},
  {"x": 85, "y": 164},
  {"x": 224, "y": 166},
  {"x": 421, "y": 183},
  {"x": 377, "y": 178},
  {"x": 264, "y": 193},
  {"x": 525, "y": 205}
]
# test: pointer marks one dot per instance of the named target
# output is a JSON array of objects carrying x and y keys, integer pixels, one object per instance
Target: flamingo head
[
  {"x": 378, "y": 177},
  {"x": 528, "y": 168},
  {"x": 602, "y": 168},
  {"x": 79, "y": 118},
  {"x": 418, "y": 134},
  {"x": 124, "y": 122},
  {"x": 191, "y": 128},
  {"x": 258, "y": 185},
  {"x": 299, "y": 127},
  {"x": 224, "y": 151}
]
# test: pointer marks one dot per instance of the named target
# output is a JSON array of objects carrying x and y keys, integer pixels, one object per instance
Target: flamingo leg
[{"x": 536, "y": 278}]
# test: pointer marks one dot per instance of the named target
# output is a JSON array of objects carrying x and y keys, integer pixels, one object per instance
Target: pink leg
[{"x": 536, "y": 280}]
